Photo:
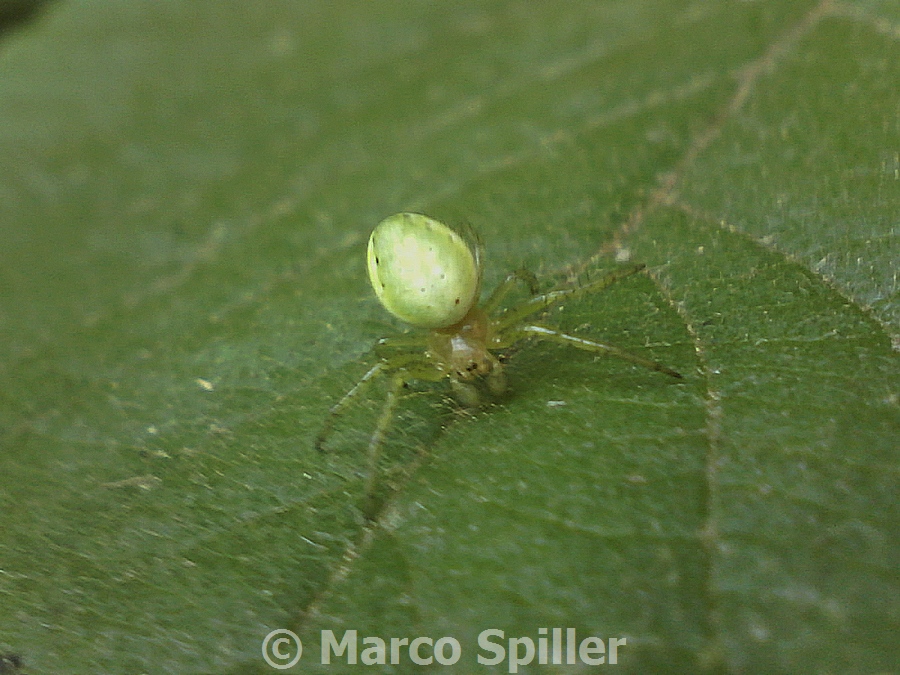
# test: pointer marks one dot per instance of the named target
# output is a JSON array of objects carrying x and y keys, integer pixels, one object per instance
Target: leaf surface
[{"x": 186, "y": 189}]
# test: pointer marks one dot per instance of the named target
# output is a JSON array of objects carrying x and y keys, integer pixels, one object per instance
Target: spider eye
[{"x": 422, "y": 271}]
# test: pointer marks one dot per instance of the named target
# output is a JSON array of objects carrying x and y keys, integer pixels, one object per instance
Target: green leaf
[{"x": 186, "y": 189}]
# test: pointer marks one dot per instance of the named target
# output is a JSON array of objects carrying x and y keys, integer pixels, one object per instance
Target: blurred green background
[{"x": 186, "y": 189}]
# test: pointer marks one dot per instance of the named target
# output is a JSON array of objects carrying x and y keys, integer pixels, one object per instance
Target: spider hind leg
[{"x": 553, "y": 335}]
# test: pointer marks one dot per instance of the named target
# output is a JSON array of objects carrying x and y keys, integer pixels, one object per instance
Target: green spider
[{"x": 427, "y": 275}]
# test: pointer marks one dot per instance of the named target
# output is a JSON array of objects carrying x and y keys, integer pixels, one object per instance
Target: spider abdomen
[{"x": 422, "y": 271}]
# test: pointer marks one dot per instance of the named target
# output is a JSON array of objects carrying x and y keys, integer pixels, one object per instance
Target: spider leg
[
  {"x": 385, "y": 347},
  {"x": 384, "y": 421},
  {"x": 543, "y": 333},
  {"x": 505, "y": 286},
  {"x": 338, "y": 407},
  {"x": 396, "y": 361},
  {"x": 545, "y": 300},
  {"x": 398, "y": 381}
]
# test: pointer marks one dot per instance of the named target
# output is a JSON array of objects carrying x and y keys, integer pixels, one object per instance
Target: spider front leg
[
  {"x": 414, "y": 371},
  {"x": 384, "y": 421},
  {"x": 390, "y": 359},
  {"x": 338, "y": 408},
  {"x": 402, "y": 362},
  {"x": 544, "y": 333}
]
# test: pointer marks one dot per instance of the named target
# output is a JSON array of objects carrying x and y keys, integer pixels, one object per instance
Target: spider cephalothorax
[
  {"x": 463, "y": 349},
  {"x": 429, "y": 276}
]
